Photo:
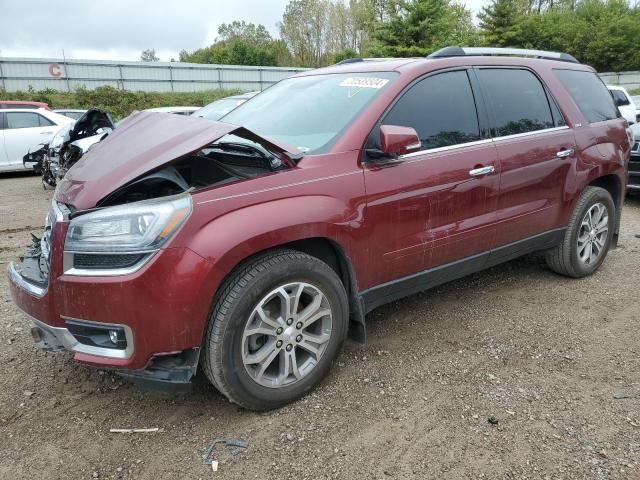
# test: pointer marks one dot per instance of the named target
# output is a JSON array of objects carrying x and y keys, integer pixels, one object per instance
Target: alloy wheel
[
  {"x": 593, "y": 233},
  {"x": 286, "y": 334}
]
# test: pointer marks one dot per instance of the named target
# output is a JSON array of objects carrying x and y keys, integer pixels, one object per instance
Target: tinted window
[
  {"x": 590, "y": 94},
  {"x": 620, "y": 98},
  {"x": 22, "y": 120},
  {"x": 558, "y": 119},
  {"x": 518, "y": 101},
  {"x": 440, "y": 108}
]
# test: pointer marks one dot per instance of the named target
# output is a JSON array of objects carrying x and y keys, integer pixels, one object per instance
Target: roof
[{"x": 25, "y": 102}]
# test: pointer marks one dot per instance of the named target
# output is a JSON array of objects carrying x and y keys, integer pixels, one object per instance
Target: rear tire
[
  {"x": 263, "y": 347},
  {"x": 588, "y": 235}
]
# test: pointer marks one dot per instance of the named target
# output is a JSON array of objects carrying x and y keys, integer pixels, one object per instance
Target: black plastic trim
[{"x": 403, "y": 287}]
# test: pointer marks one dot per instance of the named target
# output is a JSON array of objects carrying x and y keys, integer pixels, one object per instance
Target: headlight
[
  {"x": 120, "y": 239},
  {"x": 60, "y": 137}
]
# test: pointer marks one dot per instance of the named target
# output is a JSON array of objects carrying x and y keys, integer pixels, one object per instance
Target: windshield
[
  {"x": 219, "y": 108},
  {"x": 310, "y": 112}
]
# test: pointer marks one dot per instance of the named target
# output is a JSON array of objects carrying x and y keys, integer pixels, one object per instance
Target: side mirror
[{"x": 397, "y": 140}]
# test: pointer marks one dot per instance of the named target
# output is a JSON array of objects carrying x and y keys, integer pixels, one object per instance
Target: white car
[
  {"x": 636, "y": 101},
  {"x": 623, "y": 101},
  {"x": 21, "y": 129}
]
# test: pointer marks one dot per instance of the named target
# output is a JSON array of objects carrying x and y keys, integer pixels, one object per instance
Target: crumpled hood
[{"x": 145, "y": 141}]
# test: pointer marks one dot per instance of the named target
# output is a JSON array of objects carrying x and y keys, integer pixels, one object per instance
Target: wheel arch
[
  {"x": 611, "y": 183},
  {"x": 333, "y": 254}
]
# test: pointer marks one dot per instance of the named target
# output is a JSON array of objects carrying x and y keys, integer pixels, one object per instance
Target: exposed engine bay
[
  {"x": 151, "y": 155},
  {"x": 217, "y": 164}
]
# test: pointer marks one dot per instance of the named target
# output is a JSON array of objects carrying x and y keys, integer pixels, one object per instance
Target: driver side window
[{"x": 441, "y": 108}]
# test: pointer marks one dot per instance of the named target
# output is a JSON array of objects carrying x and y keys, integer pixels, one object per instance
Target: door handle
[
  {"x": 478, "y": 172},
  {"x": 567, "y": 152}
]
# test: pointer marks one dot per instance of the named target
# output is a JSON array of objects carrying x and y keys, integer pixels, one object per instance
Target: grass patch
[{"x": 119, "y": 103}]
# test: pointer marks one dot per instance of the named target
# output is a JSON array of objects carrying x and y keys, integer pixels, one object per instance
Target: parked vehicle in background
[
  {"x": 636, "y": 101},
  {"x": 72, "y": 141},
  {"x": 21, "y": 129},
  {"x": 73, "y": 113},
  {"x": 256, "y": 245},
  {"x": 22, "y": 104},
  {"x": 633, "y": 184},
  {"x": 624, "y": 103},
  {"x": 218, "y": 109},
  {"x": 174, "y": 110}
]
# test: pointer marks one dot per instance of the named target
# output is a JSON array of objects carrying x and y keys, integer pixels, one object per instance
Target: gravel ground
[{"x": 513, "y": 373}]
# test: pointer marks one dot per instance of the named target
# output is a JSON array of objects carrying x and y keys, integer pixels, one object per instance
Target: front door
[{"x": 437, "y": 205}]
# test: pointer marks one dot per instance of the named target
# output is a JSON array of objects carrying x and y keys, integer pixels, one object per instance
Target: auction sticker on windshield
[{"x": 364, "y": 82}]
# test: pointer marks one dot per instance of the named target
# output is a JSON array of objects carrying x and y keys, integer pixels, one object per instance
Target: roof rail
[
  {"x": 350, "y": 60},
  {"x": 521, "y": 52},
  {"x": 372, "y": 59}
]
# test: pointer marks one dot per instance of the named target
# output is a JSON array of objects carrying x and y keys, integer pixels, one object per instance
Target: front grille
[{"x": 636, "y": 147}]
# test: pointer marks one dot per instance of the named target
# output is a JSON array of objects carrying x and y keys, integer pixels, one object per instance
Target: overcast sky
[{"x": 121, "y": 29}]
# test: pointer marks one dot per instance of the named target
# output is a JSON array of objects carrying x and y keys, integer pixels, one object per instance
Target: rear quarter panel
[{"x": 603, "y": 147}]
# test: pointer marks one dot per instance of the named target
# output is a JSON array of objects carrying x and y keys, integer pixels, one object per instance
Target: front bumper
[{"x": 161, "y": 309}]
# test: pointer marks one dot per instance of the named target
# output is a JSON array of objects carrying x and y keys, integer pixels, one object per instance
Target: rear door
[
  {"x": 537, "y": 152},
  {"x": 22, "y": 131},
  {"x": 430, "y": 206}
]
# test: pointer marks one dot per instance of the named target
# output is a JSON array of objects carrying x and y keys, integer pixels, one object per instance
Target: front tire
[
  {"x": 278, "y": 322},
  {"x": 588, "y": 236}
]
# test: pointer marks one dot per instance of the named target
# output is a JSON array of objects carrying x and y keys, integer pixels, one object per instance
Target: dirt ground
[{"x": 553, "y": 362}]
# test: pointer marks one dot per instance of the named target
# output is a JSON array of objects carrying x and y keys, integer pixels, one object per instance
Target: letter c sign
[{"x": 54, "y": 70}]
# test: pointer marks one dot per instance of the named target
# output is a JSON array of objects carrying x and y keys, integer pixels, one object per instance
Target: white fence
[
  {"x": 628, "y": 80},
  {"x": 41, "y": 73},
  {"x": 60, "y": 74}
]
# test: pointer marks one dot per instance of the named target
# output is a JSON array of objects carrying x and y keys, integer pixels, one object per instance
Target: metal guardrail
[{"x": 63, "y": 74}]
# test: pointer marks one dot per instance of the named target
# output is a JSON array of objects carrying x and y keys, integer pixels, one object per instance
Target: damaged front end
[
  {"x": 154, "y": 155},
  {"x": 71, "y": 142},
  {"x": 107, "y": 240}
]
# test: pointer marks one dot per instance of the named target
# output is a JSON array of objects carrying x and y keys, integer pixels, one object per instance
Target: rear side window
[
  {"x": 518, "y": 101},
  {"x": 22, "y": 120},
  {"x": 440, "y": 108},
  {"x": 44, "y": 122},
  {"x": 590, "y": 94}
]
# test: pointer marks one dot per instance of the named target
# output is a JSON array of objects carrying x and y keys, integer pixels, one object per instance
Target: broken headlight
[{"x": 122, "y": 237}]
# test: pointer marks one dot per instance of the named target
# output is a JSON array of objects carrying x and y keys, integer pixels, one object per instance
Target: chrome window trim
[
  {"x": 69, "y": 269},
  {"x": 17, "y": 279},
  {"x": 481, "y": 142},
  {"x": 445, "y": 149},
  {"x": 534, "y": 132},
  {"x": 69, "y": 342}
]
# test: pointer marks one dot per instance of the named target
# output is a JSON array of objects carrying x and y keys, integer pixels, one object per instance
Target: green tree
[
  {"x": 239, "y": 43},
  {"x": 499, "y": 22},
  {"x": 149, "y": 55},
  {"x": 418, "y": 27}
]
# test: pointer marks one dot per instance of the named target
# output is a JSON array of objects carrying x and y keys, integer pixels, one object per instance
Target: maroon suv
[{"x": 255, "y": 246}]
